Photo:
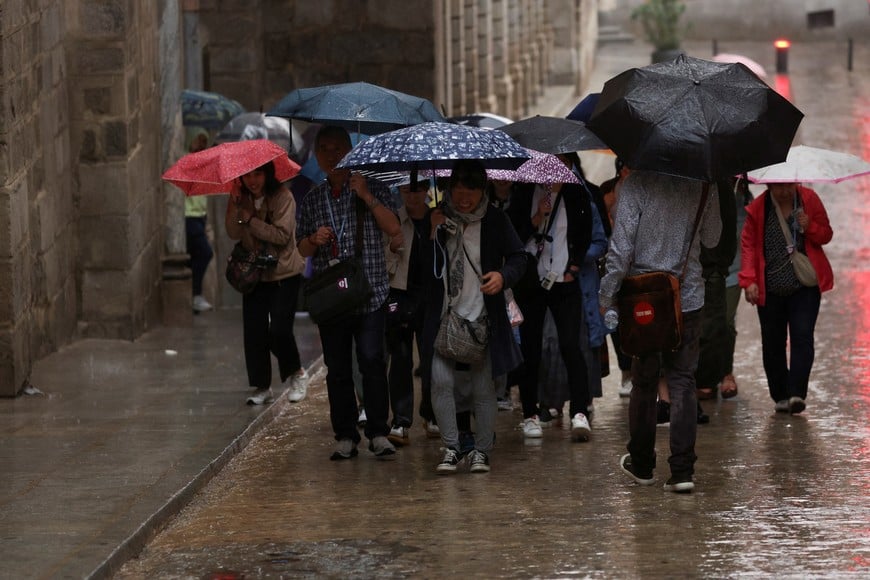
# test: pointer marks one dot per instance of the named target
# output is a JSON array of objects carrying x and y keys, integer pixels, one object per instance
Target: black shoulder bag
[{"x": 338, "y": 291}]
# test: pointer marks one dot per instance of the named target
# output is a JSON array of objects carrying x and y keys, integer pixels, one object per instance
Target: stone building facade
[{"x": 89, "y": 120}]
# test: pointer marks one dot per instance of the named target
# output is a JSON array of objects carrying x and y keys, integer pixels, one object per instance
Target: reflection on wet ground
[{"x": 776, "y": 495}]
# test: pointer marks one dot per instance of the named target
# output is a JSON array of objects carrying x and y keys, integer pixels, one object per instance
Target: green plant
[{"x": 661, "y": 22}]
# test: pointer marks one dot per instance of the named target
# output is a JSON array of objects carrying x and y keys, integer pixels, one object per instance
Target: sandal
[
  {"x": 706, "y": 393},
  {"x": 729, "y": 387}
]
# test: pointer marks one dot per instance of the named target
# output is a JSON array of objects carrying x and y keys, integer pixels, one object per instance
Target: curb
[{"x": 136, "y": 542}]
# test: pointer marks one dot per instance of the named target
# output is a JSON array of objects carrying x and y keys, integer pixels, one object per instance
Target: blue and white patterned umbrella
[{"x": 435, "y": 146}]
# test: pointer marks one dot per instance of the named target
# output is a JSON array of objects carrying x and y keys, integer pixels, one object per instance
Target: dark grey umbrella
[
  {"x": 553, "y": 135},
  {"x": 694, "y": 118},
  {"x": 360, "y": 107}
]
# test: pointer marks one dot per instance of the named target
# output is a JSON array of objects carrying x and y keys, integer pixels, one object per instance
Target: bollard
[
  {"x": 782, "y": 47},
  {"x": 715, "y": 47},
  {"x": 850, "y": 50}
]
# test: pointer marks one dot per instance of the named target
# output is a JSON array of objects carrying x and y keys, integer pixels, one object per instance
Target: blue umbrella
[
  {"x": 583, "y": 110},
  {"x": 360, "y": 107},
  {"x": 435, "y": 146},
  {"x": 208, "y": 110}
]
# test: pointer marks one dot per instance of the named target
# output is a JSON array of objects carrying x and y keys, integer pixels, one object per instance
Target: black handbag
[
  {"x": 245, "y": 267},
  {"x": 340, "y": 289}
]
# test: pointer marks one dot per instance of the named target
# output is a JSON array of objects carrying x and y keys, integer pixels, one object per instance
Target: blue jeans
[
  {"x": 679, "y": 370},
  {"x": 337, "y": 341},
  {"x": 789, "y": 319}
]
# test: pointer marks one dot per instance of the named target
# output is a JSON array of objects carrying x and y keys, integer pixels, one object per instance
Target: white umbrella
[{"x": 812, "y": 165}]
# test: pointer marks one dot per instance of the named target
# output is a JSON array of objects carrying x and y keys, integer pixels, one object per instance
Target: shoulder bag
[
  {"x": 339, "y": 290},
  {"x": 803, "y": 268},
  {"x": 650, "y": 311},
  {"x": 245, "y": 267}
]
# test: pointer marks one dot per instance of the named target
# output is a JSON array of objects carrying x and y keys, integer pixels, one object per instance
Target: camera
[
  {"x": 265, "y": 261},
  {"x": 450, "y": 226}
]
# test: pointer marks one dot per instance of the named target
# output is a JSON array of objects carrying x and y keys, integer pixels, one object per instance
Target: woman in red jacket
[{"x": 787, "y": 310}]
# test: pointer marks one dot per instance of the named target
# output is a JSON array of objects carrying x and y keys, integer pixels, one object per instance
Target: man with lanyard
[
  {"x": 327, "y": 231},
  {"x": 556, "y": 222}
]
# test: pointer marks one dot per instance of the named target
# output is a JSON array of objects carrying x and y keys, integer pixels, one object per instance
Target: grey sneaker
[
  {"x": 796, "y": 405},
  {"x": 298, "y": 387},
  {"x": 344, "y": 449},
  {"x": 781, "y": 406},
  {"x": 261, "y": 397},
  {"x": 630, "y": 470},
  {"x": 478, "y": 462},
  {"x": 382, "y": 447}
]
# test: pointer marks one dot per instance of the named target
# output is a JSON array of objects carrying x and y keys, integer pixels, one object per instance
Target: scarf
[{"x": 467, "y": 300}]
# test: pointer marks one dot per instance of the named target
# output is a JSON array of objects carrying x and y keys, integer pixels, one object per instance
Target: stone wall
[{"x": 38, "y": 230}]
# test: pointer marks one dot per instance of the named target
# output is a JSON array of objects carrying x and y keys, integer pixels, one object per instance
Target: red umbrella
[{"x": 214, "y": 170}]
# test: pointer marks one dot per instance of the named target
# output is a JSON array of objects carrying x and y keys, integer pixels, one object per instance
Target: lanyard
[{"x": 339, "y": 232}]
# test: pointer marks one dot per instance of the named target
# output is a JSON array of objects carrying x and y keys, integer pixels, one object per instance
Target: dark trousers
[
  {"x": 716, "y": 339},
  {"x": 199, "y": 249},
  {"x": 401, "y": 335},
  {"x": 337, "y": 341},
  {"x": 565, "y": 301},
  {"x": 268, "y": 314},
  {"x": 792, "y": 320},
  {"x": 679, "y": 371}
]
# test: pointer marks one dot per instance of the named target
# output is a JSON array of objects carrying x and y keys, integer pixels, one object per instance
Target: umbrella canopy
[
  {"x": 694, "y": 118},
  {"x": 249, "y": 126},
  {"x": 482, "y": 120},
  {"x": 812, "y": 165},
  {"x": 213, "y": 170},
  {"x": 583, "y": 110},
  {"x": 360, "y": 107},
  {"x": 540, "y": 168},
  {"x": 435, "y": 146},
  {"x": 553, "y": 135},
  {"x": 750, "y": 64},
  {"x": 208, "y": 110}
]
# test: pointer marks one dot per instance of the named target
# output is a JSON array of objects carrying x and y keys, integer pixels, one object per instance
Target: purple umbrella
[{"x": 541, "y": 168}]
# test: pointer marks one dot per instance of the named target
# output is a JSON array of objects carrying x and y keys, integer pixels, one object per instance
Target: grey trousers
[{"x": 470, "y": 388}]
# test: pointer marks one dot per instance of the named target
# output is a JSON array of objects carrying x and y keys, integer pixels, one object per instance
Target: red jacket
[{"x": 817, "y": 234}]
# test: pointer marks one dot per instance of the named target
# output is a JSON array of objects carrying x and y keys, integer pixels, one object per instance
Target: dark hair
[
  {"x": 574, "y": 160},
  {"x": 468, "y": 172},
  {"x": 272, "y": 185},
  {"x": 332, "y": 131}
]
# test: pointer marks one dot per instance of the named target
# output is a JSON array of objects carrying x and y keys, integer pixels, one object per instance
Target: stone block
[
  {"x": 51, "y": 29},
  {"x": 313, "y": 14},
  {"x": 400, "y": 15},
  {"x": 115, "y": 138},
  {"x": 14, "y": 226},
  {"x": 234, "y": 58},
  {"x": 15, "y": 360},
  {"x": 104, "y": 243},
  {"x": 98, "y": 100},
  {"x": 105, "y": 295},
  {"x": 103, "y": 189},
  {"x": 97, "y": 59},
  {"x": 103, "y": 18}
]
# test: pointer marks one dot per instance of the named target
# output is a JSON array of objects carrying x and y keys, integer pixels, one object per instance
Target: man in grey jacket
[{"x": 652, "y": 231}]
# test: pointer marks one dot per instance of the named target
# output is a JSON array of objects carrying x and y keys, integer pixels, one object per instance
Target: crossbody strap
[
  {"x": 785, "y": 231},
  {"x": 704, "y": 194}
]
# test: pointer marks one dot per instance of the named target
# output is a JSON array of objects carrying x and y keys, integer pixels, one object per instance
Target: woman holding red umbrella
[{"x": 262, "y": 215}]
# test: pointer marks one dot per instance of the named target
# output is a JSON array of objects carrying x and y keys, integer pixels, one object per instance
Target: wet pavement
[{"x": 96, "y": 464}]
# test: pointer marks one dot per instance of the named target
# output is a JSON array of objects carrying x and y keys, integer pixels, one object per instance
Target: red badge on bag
[{"x": 644, "y": 313}]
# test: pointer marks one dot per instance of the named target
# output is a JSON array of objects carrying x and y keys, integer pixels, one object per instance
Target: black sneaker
[
  {"x": 449, "y": 462},
  {"x": 703, "y": 418},
  {"x": 478, "y": 462},
  {"x": 629, "y": 470},
  {"x": 796, "y": 405},
  {"x": 680, "y": 484}
]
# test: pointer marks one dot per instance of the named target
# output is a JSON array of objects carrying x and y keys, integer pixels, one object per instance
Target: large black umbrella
[
  {"x": 694, "y": 118},
  {"x": 360, "y": 107},
  {"x": 553, "y": 135}
]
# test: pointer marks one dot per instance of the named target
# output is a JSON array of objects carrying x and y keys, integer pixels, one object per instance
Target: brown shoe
[
  {"x": 706, "y": 393},
  {"x": 728, "y": 387}
]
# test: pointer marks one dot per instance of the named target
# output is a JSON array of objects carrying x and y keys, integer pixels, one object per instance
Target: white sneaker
[
  {"x": 433, "y": 431},
  {"x": 505, "y": 405},
  {"x": 362, "y": 419},
  {"x": 261, "y": 397},
  {"x": 399, "y": 436},
  {"x": 625, "y": 387},
  {"x": 580, "y": 429},
  {"x": 200, "y": 304},
  {"x": 532, "y": 428},
  {"x": 298, "y": 387}
]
